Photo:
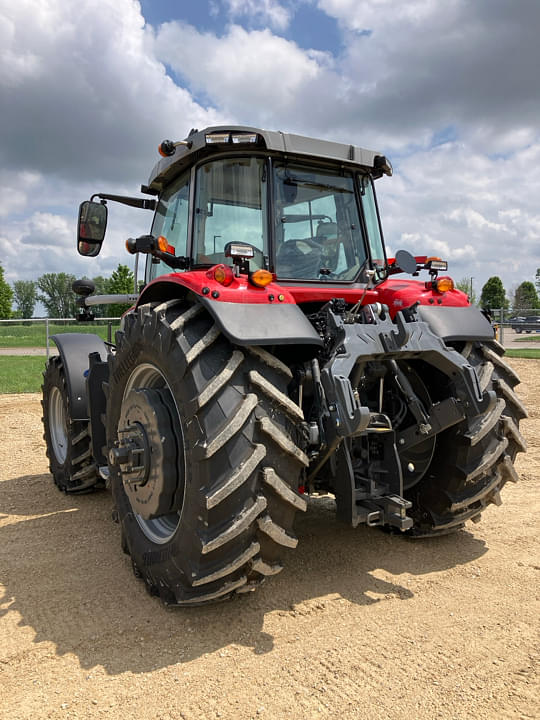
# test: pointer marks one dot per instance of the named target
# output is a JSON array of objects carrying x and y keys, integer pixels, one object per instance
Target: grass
[
  {"x": 21, "y": 374},
  {"x": 530, "y": 353},
  {"x": 34, "y": 334},
  {"x": 529, "y": 338}
]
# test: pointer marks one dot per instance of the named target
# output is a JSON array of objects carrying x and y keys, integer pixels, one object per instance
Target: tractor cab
[{"x": 308, "y": 219}]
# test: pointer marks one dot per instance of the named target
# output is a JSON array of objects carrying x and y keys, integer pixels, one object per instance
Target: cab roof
[{"x": 197, "y": 145}]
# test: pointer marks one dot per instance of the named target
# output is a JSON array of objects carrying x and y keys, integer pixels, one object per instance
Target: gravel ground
[{"x": 360, "y": 624}]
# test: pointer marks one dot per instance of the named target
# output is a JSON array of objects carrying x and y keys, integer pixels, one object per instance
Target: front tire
[{"x": 204, "y": 455}]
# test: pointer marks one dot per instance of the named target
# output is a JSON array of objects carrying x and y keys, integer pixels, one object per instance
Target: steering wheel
[{"x": 299, "y": 258}]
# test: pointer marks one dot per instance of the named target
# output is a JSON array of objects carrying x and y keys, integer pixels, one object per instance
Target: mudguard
[
  {"x": 256, "y": 324},
  {"x": 457, "y": 323},
  {"x": 74, "y": 349},
  {"x": 242, "y": 322}
]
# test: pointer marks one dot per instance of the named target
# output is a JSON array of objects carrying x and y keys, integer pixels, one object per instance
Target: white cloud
[
  {"x": 83, "y": 95},
  {"x": 250, "y": 75},
  {"x": 263, "y": 11},
  {"x": 17, "y": 189},
  {"x": 477, "y": 212},
  {"x": 41, "y": 228}
]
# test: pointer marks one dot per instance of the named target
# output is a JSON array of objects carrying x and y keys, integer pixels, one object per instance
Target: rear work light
[
  {"x": 234, "y": 138},
  {"x": 244, "y": 138},
  {"x": 435, "y": 263},
  {"x": 213, "y": 138},
  {"x": 239, "y": 250}
]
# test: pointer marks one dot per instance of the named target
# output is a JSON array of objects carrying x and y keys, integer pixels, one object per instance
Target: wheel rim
[
  {"x": 161, "y": 529},
  {"x": 58, "y": 425}
]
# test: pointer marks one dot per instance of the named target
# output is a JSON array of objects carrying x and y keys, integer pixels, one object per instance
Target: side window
[
  {"x": 372, "y": 222},
  {"x": 171, "y": 221}
]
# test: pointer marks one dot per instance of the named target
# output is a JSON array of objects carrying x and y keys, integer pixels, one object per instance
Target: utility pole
[{"x": 471, "y": 295}]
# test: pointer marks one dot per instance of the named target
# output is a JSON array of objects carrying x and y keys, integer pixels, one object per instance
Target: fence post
[
  {"x": 109, "y": 331},
  {"x": 47, "y": 334},
  {"x": 501, "y": 334}
]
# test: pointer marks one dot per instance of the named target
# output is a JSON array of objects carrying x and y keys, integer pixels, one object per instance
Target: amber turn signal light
[
  {"x": 444, "y": 284},
  {"x": 261, "y": 278},
  {"x": 163, "y": 245}
]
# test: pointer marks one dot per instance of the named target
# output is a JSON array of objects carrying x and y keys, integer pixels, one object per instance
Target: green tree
[
  {"x": 121, "y": 282},
  {"x": 25, "y": 297},
  {"x": 102, "y": 288},
  {"x": 465, "y": 286},
  {"x": 56, "y": 295},
  {"x": 537, "y": 280},
  {"x": 526, "y": 297},
  {"x": 6, "y": 296},
  {"x": 493, "y": 294}
]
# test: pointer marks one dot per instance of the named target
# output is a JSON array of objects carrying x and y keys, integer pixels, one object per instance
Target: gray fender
[
  {"x": 244, "y": 323},
  {"x": 257, "y": 324},
  {"x": 74, "y": 349},
  {"x": 457, "y": 323}
]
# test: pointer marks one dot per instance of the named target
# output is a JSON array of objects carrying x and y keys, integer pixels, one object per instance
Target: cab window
[
  {"x": 373, "y": 227},
  {"x": 171, "y": 221},
  {"x": 317, "y": 226},
  {"x": 230, "y": 206}
]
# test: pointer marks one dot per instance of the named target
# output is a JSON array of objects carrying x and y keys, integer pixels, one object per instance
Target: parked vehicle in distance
[{"x": 528, "y": 324}]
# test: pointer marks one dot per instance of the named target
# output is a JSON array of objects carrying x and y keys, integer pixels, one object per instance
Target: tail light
[{"x": 223, "y": 274}]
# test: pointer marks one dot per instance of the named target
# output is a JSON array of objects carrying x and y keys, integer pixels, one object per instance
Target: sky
[{"x": 450, "y": 92}]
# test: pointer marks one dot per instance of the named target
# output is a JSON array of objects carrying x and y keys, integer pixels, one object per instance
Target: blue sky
[
  {"x": 307, "y": 26},
  {"x": 449, "y": 91}
]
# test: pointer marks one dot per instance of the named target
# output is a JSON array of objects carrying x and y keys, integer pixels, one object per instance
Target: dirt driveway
[{"x": 359, "y": 624}]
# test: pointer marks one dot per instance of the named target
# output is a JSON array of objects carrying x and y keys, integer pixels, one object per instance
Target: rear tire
[
  {"x": 223, "y": 475},
  {"x": 68, "y": 441},
  {"x": 474, "y": 459}
]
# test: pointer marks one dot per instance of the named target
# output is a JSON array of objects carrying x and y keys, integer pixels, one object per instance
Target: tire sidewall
[{"x": 184, "y": 542}]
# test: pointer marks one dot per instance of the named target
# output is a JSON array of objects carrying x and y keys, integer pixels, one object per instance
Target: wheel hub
[{"x": 148, "y": 452}]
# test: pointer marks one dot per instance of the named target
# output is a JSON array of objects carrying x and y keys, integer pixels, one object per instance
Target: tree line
[
  {"x": 54, "y": 291},
  {"x": 525, "y": 297}
]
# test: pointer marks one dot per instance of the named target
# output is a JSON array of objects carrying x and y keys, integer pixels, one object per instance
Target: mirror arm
[{"x": 142, "y": 203}]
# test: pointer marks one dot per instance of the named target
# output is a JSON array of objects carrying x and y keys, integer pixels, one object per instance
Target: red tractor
[{"x": 275, "y": 352}]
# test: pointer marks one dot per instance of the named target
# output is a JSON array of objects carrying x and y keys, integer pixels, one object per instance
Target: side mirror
[
  {"x": 91, "y": 228},
  {"x": 406, "y": 261}
]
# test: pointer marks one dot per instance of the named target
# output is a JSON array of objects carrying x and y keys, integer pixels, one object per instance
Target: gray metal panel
[
  {"x": 74, "y": 349},
  {"x": 255, "y": 324},
  {"x": 301, "y": 145},
  {"x": 457, "y": 323}
]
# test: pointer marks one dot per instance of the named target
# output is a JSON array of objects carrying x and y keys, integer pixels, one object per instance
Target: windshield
[
  {"x": 317, "y": 227},
  {"x": 230, "y": 206}
]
